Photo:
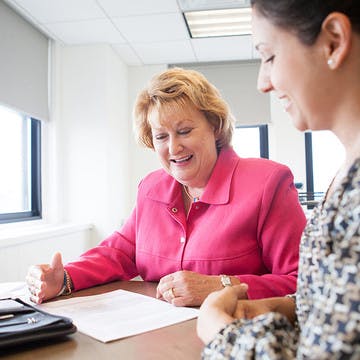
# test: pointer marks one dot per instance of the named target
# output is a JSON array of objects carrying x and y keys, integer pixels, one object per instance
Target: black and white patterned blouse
[{"x": 328, "y": 292}]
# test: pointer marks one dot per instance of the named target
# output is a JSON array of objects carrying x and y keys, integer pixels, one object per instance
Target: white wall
[
  {"x": 92, "y": 127},
  {"x": 36, "y": 245}
]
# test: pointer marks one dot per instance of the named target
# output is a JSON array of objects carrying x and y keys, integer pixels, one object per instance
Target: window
[
  {"x": 251, "y": 141},
  {"x": 20, "y": 180},
  {"x": 324, "y": 155}
]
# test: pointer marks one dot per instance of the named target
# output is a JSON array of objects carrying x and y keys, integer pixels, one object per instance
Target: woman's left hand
[{"x": 188, "y": 288}]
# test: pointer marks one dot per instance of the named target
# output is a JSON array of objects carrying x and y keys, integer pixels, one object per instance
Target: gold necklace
[{"x": 193, "y": 199}]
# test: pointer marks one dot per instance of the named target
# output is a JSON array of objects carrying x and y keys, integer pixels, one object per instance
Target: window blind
[{"x": 23, "y": 65}]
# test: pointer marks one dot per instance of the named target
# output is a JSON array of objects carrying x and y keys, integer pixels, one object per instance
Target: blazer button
[
  {"x": 174, "y": 210},
  {"x": 182, "y": 239}
]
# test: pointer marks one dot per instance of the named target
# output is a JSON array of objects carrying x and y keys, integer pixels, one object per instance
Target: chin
[{"x": 300, "y": 125}]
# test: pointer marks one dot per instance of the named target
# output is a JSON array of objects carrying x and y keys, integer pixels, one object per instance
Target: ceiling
[{"x": 142, "y": 32}]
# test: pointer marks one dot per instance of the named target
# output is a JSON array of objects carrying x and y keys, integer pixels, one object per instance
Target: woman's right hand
[
  {"x": 222, "y": 307},
  {"x": 45, "y": 280}
]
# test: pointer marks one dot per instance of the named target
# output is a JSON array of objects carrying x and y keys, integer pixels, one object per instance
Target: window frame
[
  {"x": 310, "y": 198},
  {"x": 35, "y": 211},
  {"x": 263, "y": 138}
]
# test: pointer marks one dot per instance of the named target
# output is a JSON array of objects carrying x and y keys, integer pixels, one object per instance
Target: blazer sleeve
[
  {"x": 280, "y": 225},
  {"x": 113, "y": 259}
]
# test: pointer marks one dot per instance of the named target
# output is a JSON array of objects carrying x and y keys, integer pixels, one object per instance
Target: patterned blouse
[{"x": 328, "y": 292}]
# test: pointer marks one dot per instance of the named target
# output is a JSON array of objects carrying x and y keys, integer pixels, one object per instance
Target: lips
[
  {"x": 181, "y": 160},
  {"x": 285, "y": 101}
]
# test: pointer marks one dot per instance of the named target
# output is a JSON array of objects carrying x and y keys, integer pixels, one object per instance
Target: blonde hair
[{"x": 179, "y": 87}]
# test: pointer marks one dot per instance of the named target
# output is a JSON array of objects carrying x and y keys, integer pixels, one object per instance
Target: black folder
[{"x": 23, "y": 323}]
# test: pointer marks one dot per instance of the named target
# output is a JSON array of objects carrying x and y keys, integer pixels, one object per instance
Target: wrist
[{"x": 67, "y": 285}]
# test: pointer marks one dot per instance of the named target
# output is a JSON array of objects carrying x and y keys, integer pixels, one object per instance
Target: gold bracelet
[{"x": 68, "y": 284}]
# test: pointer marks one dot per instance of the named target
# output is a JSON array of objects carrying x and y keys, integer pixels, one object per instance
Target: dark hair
[{"x": 305, "y": 17}]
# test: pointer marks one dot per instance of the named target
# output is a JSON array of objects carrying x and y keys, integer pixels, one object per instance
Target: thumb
[
  {"x": 56, "y": 262},
  {"x": 241, "y": 290}
]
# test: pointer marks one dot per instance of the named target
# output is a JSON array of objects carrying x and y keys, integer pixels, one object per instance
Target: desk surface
[{"x": 177, "y": 341}]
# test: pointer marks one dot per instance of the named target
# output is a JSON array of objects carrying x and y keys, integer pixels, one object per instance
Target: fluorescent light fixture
[
  {"x": 197, "y": 5},
  {"x": 219, "y": 22}
]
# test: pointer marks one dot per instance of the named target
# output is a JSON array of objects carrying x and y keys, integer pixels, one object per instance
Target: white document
[
  {"x": 117, "y": 314},
  {"x": 13, "y": 290}
]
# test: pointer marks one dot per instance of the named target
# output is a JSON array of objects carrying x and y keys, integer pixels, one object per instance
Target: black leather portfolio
[{"x": 23, "y": 323}]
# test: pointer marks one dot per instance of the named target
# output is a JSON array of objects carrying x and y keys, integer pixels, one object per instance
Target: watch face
[{"x": 225, "y": 280}]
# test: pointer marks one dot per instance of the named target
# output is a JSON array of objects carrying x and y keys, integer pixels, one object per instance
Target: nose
[
  {"x": 174, "y": 145},
  {"x": 264, "y": 81}
]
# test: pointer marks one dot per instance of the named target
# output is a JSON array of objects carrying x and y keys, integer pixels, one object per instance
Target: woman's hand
[
  {"x": 218, "y": 310},
  {"x": 45, "y": 280},
  {"x": 248, "y": 309},
  {"x": 222, "y": 307},
  {"x": 188, "y": 288}
]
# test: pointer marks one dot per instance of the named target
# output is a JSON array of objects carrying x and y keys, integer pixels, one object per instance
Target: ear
[{"x": 337, "y": 34}]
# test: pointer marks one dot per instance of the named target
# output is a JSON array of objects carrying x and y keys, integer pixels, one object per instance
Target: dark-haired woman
[{"x": 310, "y": 53}]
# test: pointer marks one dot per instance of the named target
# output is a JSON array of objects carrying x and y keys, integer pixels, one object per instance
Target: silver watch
[{"x": 225, "y": 280}]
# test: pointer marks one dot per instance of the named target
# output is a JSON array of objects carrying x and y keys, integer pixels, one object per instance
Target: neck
[
  {"x": 348, "y": 132},
  {"x": 194, "y": 197}
]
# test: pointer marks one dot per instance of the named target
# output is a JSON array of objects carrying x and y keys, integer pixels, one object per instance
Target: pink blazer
[{"x": 248, "y": 223}]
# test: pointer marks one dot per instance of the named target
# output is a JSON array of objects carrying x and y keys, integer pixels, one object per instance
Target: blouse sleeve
[
  {"x": 331, "y": 328},
  {"x": 267, "y": 336}
]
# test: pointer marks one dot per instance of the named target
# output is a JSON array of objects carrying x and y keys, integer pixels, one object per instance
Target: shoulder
[
  {"x": 153, "y": 178},
  {"x": 263, "y": 168},
  {"x": 158, "y": 185},
  {"x": 230, "y": 159}
]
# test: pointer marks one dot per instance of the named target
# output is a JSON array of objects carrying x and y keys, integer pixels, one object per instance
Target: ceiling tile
[
  {"x": 190, "y": 5},
  {"x": 86, "y": 32},
  {"x": 50, "y": 11},
  {"x": 116, "y": 8},
  {"x": 127, "y": 54},
  {"x": 223, "y": 48},
  {"x": 152, "y": 28},
  {"x": 141, "y": 31},
  {"x": 165, "y": 52}
]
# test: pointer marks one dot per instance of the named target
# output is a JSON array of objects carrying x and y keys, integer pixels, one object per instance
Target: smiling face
[
  {"x": 185, "y": 143},
  {"x": 297, "y": 73}
]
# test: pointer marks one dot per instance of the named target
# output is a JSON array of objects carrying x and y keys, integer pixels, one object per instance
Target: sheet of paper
[
  {"x": 118, "y": 314},
  {"x": 13, "y": 290}
]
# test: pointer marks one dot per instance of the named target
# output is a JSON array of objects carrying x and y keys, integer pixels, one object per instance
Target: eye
[
  {"x": 270, "y": 59},
  {"x": 184, "y": 131},
  {"x": 160, "y": 136}
]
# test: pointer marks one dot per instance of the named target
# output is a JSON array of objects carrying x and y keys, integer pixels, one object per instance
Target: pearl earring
[{"x": 330, "y": 62}]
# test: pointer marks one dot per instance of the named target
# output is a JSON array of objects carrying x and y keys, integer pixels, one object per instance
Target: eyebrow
[{"x": 259, "y": 45}]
